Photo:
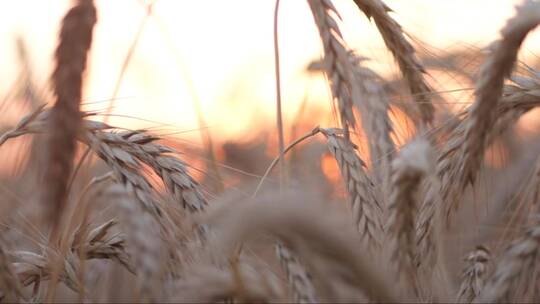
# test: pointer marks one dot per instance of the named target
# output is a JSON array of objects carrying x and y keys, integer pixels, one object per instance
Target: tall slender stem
[{"x": 278, "y": 100}]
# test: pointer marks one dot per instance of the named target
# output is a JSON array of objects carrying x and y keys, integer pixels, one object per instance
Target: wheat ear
[
  {"x": 324, "y": 245},
  {"x": 474, "y": 274},
  {"x": 403, "y": 53},
  {"x": 516, "y": 276},
  {"x": 10, "y": 289},
  {"x": 409, "y": 169},
  {"x": 373, "y": 108},
  {"x": 364, "y": 202},
  {"x": 517, "y": 100},
  {"x": 489, "y": 89},
  {"x": 336, "y": 60},
  {"x": 297, "y": 277},
  {"x": 65, "y": 121}
]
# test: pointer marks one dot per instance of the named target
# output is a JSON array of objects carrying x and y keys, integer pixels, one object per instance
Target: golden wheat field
[{"x": 414, "y": 178}]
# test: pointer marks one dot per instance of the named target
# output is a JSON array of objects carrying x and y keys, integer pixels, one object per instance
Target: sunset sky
[{"x": 221, "y": 53}]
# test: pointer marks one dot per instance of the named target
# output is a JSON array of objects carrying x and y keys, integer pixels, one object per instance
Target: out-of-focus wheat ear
[
  {"x": 365, "y": 206},
  {"x": 145, "y": 245},
  {"x": 10, "y": 288},
  {"x": 517, "y": 272},
  {"x": 474, "y": 274},
  {"x": 409, "y": 169},
  {"x": 298, "y": 278},
  {"x": 489, "y": 89},
  {"x": 336, "y": 60},
  {"x": 373, "y": 108},
  {"x": 403, "y": 53},
  {"x": 518, "y": 99},
  {"x": 243, "y": 282},
  {"x": 65, "y": 117}
]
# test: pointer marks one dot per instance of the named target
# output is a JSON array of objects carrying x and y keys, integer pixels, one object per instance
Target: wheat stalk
[{"x": 403, "y": 53}]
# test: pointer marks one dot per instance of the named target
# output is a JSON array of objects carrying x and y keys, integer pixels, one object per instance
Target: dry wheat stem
[
  {"x": 336, "y": 60},
  {"x": 474, "y": 274},
  {"x": 403, "y": 53}
]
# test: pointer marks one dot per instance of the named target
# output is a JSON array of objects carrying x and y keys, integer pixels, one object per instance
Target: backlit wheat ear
[
  {"x": 144, "y": 242},
  {"x": 10, "y": 289},
  {"x": 100, "y": 243},
  {"x": 32, "y": 268},
  {"x": 517, "y": 273},
  {"x": 413, "y": 164},
  {"x": 403, "y": 53},
  {"x": 241, "y": 282},
  {"x": 517, "y": 101},
  {"x": 336, "y": 60},
  {"x": 124, "y": 152},
  {"x": 474, "y": 274},
  {"x": 337, "y": 264},
  {"x": 373, "y": 108},
  {"x": 297, "y": 277},
  {"x": 65, "y": 122},
  {"x": 364, "y": 202},
  {"x": 489, "y": 89}
]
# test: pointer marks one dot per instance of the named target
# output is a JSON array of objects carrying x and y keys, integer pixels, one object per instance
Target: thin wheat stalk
[
  {"x": 336, "y": 60},
  {"x": 65, "y": 118},
  {"x": 409, "y": 169},
  {"x": 489, "y": 89},
  {"x": 365, "y": 206},
  {"x": 403, "y": 53},
  {"x": 474, "y": 274}
]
